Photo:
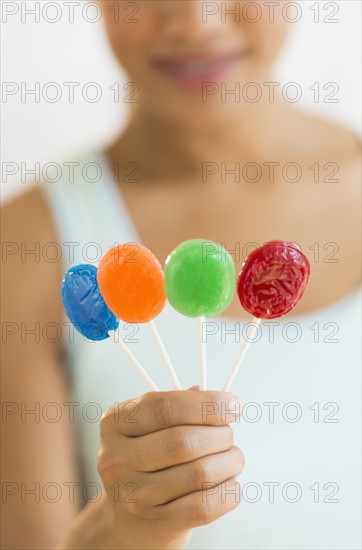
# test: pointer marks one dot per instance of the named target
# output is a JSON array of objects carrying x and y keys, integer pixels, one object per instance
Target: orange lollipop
[{"x": 131, "y": 282}]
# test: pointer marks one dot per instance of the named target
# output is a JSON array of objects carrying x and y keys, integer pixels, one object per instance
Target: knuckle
[
  {"x": 164, "y": 410},
  {"x": 240, "y": 459},
  {"x": 105, "y": 421},
  {"x": 107, "y": 466},
  {"x": 202, "y": 472},
  {"x": 145, "y": 492},
  {"x": 112, "y": 418},
  {"x": 124, "y": 414},
  {"x": 202, "y": 512},
  {"x": 127, "y": 492},
  {"x": 229, "y": 435},
  {"x": 112, "y": 460},
  {"x": 236, "y": 498},
  {"x": 143, "y": 504},
  {"x": 180, "y": 444},
  {"x": 137, "y": 507},
  {"x": 120, "y": 416}
]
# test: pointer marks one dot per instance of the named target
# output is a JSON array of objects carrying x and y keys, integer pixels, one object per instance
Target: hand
[{"x": 158, "y": 456}]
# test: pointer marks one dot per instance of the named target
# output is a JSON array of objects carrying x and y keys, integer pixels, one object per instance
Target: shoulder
[
  {"x": 329, "y": 154},
  {"x": 325, "y": 140},
  {"x": 27, "y": 214},
  {"x": 31, "y": 267},
  {"x": 27, "y": 227},
  {"x": 337, "y": 152}
]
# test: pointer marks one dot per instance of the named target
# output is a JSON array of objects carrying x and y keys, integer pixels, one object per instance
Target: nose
[{"x": 193, "y": 21}]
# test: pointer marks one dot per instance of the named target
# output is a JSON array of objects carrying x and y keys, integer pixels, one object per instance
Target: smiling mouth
[{"x": 194, "y": 70}]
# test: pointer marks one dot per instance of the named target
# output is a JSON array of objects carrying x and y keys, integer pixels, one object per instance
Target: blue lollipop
[
  {"x": 84, "y": 304},
  {"x": 90, "y": 314}
]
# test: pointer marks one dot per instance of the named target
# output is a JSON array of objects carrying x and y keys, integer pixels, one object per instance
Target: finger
[
  {"x": 176, "y": 445},
  {"x": 167, "y": 485},
  {"x": 155, "y": 411},
  {"x": 202, "y": 507}
]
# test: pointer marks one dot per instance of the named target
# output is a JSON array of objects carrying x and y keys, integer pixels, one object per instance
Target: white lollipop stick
[
  {"x": 135, "y": 364},
  {"x": 254, "y": 325},
  {"x": 203, "y": 371},
  {"x": 164, "y": 355}
]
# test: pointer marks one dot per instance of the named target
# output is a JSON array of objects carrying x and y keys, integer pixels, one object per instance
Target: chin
[
  {"x": 208, "y": 105},
  {"x": 202, "y": 118}
]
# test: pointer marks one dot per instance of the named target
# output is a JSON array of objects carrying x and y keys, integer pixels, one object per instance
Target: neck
[{"x": 164, "y": 148}]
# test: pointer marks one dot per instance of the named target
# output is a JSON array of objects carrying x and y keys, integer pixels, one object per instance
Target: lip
[{"x": 192, "y": 71}]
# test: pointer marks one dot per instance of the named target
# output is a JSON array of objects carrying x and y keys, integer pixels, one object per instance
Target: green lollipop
[
  {"x": 200, "y": 278},
  {"x": 200, "y": 282}
]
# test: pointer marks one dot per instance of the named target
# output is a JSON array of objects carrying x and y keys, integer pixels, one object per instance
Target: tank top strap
[{"x": 88, "y": 210}]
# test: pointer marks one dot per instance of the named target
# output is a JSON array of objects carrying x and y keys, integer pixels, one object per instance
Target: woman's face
[{"x": 186, "y": 55}]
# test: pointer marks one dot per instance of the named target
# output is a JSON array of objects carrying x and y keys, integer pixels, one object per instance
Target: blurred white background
[{"x": 63, "y": 52}]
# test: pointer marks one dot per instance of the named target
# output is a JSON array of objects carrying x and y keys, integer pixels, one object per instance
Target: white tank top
[{"x": 300, "y": 385}]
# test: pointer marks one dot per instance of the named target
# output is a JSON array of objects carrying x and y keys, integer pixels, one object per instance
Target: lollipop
[
  {"x": 200, "y": 282},
  {"x": 271, "y": 282},
  {"x": 84, "y": 304},
  {"x": 131, "y": 282},
  {"x": 89, "y": 313}
]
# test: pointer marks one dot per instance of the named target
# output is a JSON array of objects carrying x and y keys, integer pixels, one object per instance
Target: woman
[{"x": 165, "y": 180}]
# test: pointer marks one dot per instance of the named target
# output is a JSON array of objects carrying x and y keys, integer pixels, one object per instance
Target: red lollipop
[
  {"x": 271, "y": 282},
  {"x": 273, "y": 279}
]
